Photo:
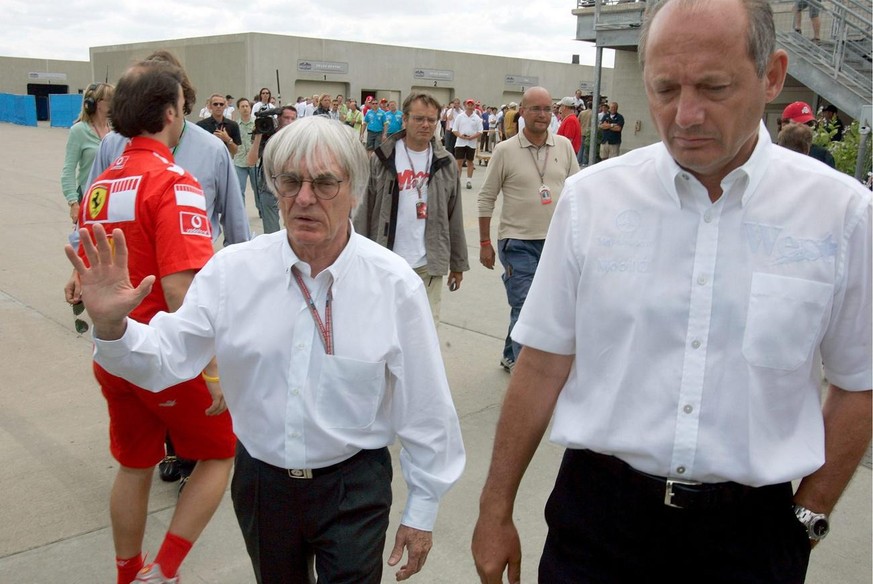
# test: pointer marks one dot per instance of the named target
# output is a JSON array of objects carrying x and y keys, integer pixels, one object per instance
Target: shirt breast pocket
[
  {"x": 349, "y": 392},
  {"x": 784, "y": 320}
]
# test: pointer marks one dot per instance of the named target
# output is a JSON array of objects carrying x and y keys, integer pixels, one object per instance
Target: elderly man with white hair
[{"x": 327, "y": 352}]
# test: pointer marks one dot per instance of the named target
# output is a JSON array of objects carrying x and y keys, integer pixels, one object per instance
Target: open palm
[{"x": 106, "y": 289}]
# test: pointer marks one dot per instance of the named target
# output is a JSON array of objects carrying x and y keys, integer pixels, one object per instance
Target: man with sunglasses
[
  {"x": 412, "y": 204},
  {"x": 221, "y": 127},
  {"x": 327, "y": 353}
]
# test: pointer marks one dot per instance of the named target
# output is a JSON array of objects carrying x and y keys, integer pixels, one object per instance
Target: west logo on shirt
[
  {"x": 112, "y": 201},
  {"x": 195, "y": 224}
]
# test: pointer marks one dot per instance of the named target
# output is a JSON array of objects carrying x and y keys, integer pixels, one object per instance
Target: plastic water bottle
[{"x": 73, "y": 237}]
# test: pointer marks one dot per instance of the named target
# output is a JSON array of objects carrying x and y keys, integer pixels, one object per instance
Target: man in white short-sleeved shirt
[{"x": 687, "y": 297}]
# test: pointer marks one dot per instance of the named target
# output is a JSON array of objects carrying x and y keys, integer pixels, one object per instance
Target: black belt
[
  {"x": 312, "y": 473},
  {"x": 672, "y": 492}
]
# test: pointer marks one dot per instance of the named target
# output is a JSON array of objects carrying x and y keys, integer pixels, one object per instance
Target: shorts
[
  {"x": 373, "y": 140},
  {"x": 464, "y": 152},
  {"x": 813, "y": 8},
  {"x": 140, "y": 419}
]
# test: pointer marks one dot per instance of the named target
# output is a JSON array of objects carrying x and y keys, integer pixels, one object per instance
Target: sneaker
[
  {"x": 152, "y": 574},
  {"x": 507, "y": 364},
  {"x": 169, "y": 469},
  {"x": 469, "y": 185}
]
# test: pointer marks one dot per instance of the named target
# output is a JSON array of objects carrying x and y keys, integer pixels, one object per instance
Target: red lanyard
[{"x": 325, "y": 328}]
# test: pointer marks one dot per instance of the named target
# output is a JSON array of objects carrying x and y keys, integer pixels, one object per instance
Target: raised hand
[{"x": 106, "y": 289}]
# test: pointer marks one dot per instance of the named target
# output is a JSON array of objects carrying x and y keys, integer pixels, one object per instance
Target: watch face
[{"x": 819, "y": 528}]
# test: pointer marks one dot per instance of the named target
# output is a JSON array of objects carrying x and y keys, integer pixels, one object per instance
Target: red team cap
[{"x": 798, "y": 112}]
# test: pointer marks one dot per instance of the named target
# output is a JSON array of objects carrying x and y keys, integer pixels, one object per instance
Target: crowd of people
[{"x": 672, "y": 310}]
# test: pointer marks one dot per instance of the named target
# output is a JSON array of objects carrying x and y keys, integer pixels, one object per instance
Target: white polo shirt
[
  {"x": 467, "y": 125},
  {"x": 699, "y": 328}
]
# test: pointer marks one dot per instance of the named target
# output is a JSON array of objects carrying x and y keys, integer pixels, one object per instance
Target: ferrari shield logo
[{"x": 96, "y": 201}]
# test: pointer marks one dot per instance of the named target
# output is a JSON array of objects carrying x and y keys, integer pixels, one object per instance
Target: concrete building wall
[
  {"x": 241, "y": 64},
  {"x": 16, "y": 73}
]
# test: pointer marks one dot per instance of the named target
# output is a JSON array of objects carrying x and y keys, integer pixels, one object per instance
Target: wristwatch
[{"x": 817, "y": 525}]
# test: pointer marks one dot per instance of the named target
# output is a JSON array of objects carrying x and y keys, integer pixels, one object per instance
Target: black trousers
[
  {"x": 335, "y": 522},
  {"x": 604, "y": 529}
]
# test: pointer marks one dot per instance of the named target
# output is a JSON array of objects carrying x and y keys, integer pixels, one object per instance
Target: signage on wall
[
  {"x": 38, "y": 76},
  {"x": 434, "y": 74},
  {"x": 306, "y": 66},
  {"x": 520, "y": 80}
]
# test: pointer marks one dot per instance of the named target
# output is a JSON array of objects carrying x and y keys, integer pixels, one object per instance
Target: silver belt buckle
[
  {"x": 668, "y": 491},
  {"x": 300, "y": 473}
]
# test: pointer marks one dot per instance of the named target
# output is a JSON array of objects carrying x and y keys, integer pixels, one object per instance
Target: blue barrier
[
  {"x": 18, "y": 109},
  {"x": 64, "y": 108}
]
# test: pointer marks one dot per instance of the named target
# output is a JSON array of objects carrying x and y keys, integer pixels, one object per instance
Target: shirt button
[
  {"x": 301, "y": 346},
  {"x": 681, "y": 470},
  {"x": 295, "y": 434},
  {"x": 688, "y": 409},
  {"x": 295, "y": 391},
  {"x": 685, "y": 176},
  {"x": 695, "y": 344},
  {"x": 701, "y": 280},
  {"x": 707, "y": 217}
]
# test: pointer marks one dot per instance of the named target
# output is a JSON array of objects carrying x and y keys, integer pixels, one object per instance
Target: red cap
[
  {"x": 470, "y": 101},
  {"x": 798, "y": 112},
  {"x": 383, "y": 100}
]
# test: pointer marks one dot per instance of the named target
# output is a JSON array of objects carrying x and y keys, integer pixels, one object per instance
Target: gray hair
[
  {"x": 761, "y": 39},
  {"x": 318, "y": 142}
]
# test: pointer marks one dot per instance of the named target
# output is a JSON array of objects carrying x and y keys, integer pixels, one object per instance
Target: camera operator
[
  {"x": 268, "y": 123},
  {"x": 219, "y": 126}
]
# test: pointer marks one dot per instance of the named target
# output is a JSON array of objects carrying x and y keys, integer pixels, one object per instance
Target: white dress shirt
[
  {"x": 700, "y": 328},
  {"x": 292, "y": 405}
]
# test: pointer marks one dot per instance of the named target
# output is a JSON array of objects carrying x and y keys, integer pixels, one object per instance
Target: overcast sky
[{"x": 65, "y": 29}]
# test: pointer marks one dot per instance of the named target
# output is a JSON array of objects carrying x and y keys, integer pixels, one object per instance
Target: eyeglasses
[
  {"x": 289, "y": 185},
  {"x": 217, "y": 104},
  {"x": 423, "y": 120},
  {"x": 81, "y": 325},
  {"x": 538, "y": 110}
]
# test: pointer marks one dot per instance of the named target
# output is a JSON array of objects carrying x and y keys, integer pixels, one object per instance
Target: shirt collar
[
  {"x": 336, "y": 270},
  {"x": 751, "y": 172},
  {"x": 525, "y": 143}
]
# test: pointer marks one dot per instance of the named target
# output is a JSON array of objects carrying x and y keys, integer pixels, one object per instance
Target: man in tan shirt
[{"x": 529, "y": 169}]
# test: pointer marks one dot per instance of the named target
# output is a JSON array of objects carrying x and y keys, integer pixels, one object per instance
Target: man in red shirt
[
  {"x": 570, "y": 127},
  {"x": 161, "y": 210}
]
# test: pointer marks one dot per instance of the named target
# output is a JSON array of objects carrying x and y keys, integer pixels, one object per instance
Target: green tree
[{"x": 845, "y": 152}]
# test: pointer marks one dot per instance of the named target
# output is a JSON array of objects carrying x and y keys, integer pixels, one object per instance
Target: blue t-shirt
[
  {"x": 375, "y": 120},
  {"x": 394, "y": 121}
]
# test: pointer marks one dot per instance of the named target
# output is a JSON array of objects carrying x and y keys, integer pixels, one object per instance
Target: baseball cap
[
  {"x": 383, "y": 100},
  {"x": 568, "y": 102},
  {"x": 798, "y": 112},
  {"x": 470, "y": 101},
  {"x": 512, "y": 104}
]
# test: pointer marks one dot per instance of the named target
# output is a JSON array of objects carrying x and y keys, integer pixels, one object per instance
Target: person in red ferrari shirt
[{"x": 161, "y": 210}]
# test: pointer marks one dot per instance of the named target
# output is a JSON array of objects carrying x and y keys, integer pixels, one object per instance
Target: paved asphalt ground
[{"x": 56, "y": 471}]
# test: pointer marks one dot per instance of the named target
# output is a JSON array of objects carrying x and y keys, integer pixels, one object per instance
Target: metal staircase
[{"x": 838, "y": 68}]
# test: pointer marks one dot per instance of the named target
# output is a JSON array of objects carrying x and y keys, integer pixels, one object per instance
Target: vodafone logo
[{"x": 195, "y": 224}]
